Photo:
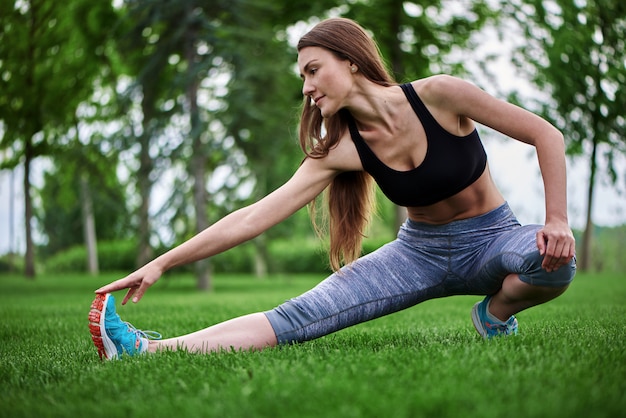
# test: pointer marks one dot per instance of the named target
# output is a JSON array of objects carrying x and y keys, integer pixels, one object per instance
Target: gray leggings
[{"x": 466, "y": 257}]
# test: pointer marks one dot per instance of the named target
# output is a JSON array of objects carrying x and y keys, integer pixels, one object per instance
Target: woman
[{"x": 419, "y": 142}]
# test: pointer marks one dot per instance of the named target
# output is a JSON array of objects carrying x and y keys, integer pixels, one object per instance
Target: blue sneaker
[
  {"x": 112, "y": 336},
  {"x": 489, "y": 328}
]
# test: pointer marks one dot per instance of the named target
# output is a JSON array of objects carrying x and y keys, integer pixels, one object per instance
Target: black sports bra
[{"x": 451, "y": 164}]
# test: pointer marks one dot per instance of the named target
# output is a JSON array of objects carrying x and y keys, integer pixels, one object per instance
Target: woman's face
[{"x": 327, "y": 79}]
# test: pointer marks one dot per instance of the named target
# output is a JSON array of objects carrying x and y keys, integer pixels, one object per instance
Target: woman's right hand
[{"x": 137, "y": 283}]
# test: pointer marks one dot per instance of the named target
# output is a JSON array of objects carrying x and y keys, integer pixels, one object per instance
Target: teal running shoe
[
  {"x": 112, "y": 336},
  {"x": 489, "y": 328}
]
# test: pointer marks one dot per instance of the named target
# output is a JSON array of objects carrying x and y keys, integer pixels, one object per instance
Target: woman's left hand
[{"x": 556, "y": 243}]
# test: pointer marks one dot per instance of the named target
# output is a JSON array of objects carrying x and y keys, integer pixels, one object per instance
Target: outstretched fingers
[
  {"x": 129, "y": 295},
  {"x": 136, "y": 292},
  {"x": 125, "y": 283},
  {"x": 136, "y": 283}
]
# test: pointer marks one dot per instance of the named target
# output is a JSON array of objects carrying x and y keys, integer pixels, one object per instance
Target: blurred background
[{"x": 128, "y": 126}]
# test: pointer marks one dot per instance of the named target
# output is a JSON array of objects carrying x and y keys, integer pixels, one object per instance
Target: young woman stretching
[{"x": 419, "y": 143}]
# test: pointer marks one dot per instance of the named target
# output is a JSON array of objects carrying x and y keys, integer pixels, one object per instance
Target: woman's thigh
[{"x": 390, "y": 279}]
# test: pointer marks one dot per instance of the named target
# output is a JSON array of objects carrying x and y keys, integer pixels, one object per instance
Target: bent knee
[{"x": 536, "y": 275}]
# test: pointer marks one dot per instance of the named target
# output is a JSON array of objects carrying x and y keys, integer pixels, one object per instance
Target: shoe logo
[{"x": 498, "y": 328}]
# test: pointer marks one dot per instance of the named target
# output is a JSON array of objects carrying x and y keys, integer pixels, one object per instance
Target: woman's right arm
[
  {"x": 246, "y": 223},
  {"x": 311, "y": 178}
]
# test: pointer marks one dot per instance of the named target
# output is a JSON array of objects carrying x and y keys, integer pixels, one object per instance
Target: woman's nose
[{"x": 307, "y": 89}]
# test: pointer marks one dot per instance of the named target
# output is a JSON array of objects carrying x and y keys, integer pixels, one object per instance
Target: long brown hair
[{"x": 351, "y": 194}]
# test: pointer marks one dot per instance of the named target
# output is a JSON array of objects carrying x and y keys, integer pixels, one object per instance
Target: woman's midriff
[{"x": 480, "y": 197}]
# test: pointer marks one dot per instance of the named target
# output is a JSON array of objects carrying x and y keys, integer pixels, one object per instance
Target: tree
[
  {"x": 263, "y": 93},
  {"x": 188, "y": 43},
  {"x": 60, "y": 216},
  {"x": 149, "y": 98},
  {"x": 576, "y": 51},
  {"x": 177, "y": 45},
  {"x": 47, "y": 66}
]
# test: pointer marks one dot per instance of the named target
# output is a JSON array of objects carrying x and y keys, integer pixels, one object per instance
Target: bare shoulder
[
  {"x": 450, "y": 100},
  {"x": 459, "y": 97},
  {"x": 315, "y": 174},
  {"x": 343, "y": 156},
  {"x": 439, "y": 89}
]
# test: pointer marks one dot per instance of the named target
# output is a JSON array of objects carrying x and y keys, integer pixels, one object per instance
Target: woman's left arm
[{"x": 555, "y": 240}]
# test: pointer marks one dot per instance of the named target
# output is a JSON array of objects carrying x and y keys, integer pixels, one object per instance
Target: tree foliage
[
  {"x": 576, "y": 51},
  {"x": 47, "y": 64},
  {"x": 205, "y": 95},
  {"x": 422, "y": 39}
]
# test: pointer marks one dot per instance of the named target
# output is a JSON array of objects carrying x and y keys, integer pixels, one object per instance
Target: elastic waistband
[{"x": 485, "y": 220}]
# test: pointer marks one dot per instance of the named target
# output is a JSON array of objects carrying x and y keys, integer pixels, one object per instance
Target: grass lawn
[{"x": 568, "y": 361}]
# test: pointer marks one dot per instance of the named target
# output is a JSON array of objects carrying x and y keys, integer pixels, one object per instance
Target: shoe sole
[
  {"x": 478, "y": 324},
  {"x": 106, "y": 347}
]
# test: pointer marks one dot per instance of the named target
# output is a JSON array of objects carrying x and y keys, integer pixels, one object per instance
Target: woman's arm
[
  {"x": 309, "y": 180},
  {"x": 469, "y": 102}
]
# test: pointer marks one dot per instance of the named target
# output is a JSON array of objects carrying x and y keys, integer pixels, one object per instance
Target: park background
[{"x": 128, "y": 126}]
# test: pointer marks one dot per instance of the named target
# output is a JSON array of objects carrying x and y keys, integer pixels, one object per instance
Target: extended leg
[
  {"x": 115, "y": 338},
  {"x": 243, "y": 333}
]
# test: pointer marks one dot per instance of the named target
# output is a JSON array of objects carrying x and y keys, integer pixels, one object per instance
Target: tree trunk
[
  {"x": 584, "y": 261},
  {"x": 146, "y": 166},
  {"x": 199, "y": 159},
  {"x": 200, "y": 197},
  {"x": 260, "y": 256},
  {"x": 144, "y": 183},
  {"x": 12, "y": 249},
  {"x": 29, "y": 258},
  {"x": 89, "y": 227}
]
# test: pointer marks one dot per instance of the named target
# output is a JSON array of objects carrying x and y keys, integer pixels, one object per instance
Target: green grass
[{"x": 568, "y": 361}]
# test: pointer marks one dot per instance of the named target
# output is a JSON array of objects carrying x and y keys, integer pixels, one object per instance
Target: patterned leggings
[{"x": 465, "y": 257}]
